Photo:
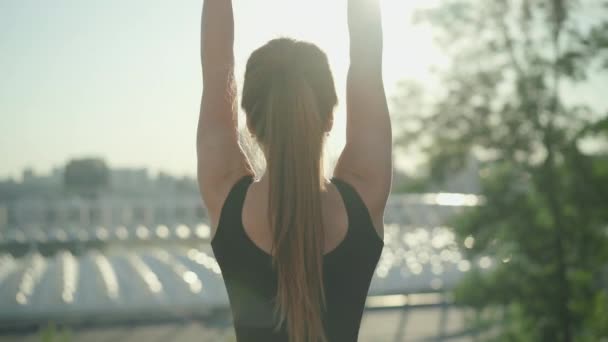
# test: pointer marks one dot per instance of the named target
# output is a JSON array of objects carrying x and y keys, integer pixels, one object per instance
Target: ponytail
[
  {"x": 289, "y": 119},
  {"x": 295, "y": 143}
]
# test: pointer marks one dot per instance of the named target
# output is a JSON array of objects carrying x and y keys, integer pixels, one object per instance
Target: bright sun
[{"x": 409, "y": 51}]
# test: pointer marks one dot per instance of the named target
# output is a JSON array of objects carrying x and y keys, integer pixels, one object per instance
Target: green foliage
[
  {"x": 52, "y": 334},
  {"x": 596, "y": 327},
  {"x": 545, "y": 218}
]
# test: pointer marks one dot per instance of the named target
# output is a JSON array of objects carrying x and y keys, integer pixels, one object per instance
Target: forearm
[
  {"x": 217, "y": 120},
  {"x": 365, "y": 29},
  {"x": 217, "y": 40},
  {"x": 218, "y": 111}
]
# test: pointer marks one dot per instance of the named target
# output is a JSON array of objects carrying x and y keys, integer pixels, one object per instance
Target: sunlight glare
[{"x": 409, "y": 50}]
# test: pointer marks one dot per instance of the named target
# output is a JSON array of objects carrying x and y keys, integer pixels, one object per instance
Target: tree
[
  {"x": 546, "y": 212},
  {"x": 86, "y": 177}
]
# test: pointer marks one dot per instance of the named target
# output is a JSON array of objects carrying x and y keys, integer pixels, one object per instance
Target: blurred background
[{"x": 496, "y": 230}]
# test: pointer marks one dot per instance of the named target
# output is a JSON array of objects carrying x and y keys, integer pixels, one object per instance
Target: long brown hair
[{"x": 289, "y": 97}]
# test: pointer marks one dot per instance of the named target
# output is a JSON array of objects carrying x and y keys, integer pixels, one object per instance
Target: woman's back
[
  {"x": 289, "y": 99},
  {"x": 352, "y": 252}
]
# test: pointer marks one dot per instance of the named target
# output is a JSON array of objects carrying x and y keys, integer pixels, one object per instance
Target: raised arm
[
  {"x": 221, "y": 161},
  {"x": 366, "y": 160}
]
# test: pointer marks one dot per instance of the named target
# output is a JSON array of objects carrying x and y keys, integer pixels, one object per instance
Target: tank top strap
[
  {"x": 359, "y": 218},
  {"x": 230, "y": 215}
]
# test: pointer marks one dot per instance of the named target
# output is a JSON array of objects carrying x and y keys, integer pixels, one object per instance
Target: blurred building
[
  {"x": 131, "y": 197},
  {"x": 129, "y": 179},
  {"x": 3, "y": 216},
  {"x": 107, "y": 210},
  {"x": 30, "y": 178}
]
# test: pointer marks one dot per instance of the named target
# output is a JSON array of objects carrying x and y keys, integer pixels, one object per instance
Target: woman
[{"x": 297, "y": 252}]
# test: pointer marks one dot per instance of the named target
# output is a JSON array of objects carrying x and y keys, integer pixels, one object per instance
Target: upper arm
[
  {"x": 221, "y": 161},
  {"x": 366, "y": 161},
  {"x": 220, "y": 158}
]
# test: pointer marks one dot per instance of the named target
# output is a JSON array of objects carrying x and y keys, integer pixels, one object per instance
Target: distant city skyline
[{"x": 29, "y": 174}]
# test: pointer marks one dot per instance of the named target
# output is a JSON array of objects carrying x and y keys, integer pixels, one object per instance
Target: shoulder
[
  {"x": 371, "y": 197},
  {"x": 216, "y": 193}
]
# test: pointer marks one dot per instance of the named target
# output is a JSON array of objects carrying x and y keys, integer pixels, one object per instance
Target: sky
[{"x": 122, "y": 79}]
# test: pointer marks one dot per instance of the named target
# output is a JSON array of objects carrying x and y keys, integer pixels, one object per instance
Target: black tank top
[{"x": 251, "y": 281}]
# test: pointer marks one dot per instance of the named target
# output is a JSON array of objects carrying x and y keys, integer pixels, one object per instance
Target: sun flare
[{"x": 409, "y": 51}]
